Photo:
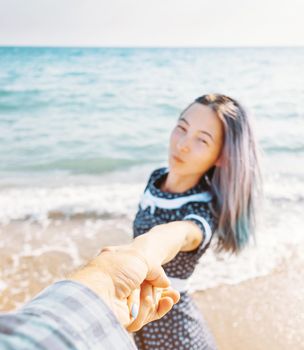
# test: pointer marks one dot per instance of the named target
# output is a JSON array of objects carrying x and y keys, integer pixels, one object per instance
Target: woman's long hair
[{"x": 236, "y": 182}]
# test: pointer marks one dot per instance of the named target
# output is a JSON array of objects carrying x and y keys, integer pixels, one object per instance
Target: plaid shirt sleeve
[{"x": 65, "y": 316}]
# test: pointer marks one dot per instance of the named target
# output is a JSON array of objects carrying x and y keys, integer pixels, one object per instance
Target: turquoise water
[
  {"x": 95, "y": 116},
  {"x": 91, "y": 111},
  {"x": 80, "y": 130}
]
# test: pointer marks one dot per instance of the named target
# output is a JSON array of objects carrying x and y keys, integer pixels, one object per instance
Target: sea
[{"x": 82, "y": 128}]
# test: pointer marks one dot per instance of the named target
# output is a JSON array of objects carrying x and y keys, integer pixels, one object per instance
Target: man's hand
[{"x": 117, "y": 276}]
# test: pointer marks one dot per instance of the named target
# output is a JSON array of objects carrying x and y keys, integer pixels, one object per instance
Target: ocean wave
[
  {"x": 41, "y": 203},
  {"x": 19, "y": 92},
  {"x": 293, "y": 149},
  {"x": 112, "y": 195},
  {"x": 78, "y": 166}
]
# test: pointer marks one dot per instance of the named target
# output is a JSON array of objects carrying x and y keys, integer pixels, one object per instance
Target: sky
[{"x": 160, "y": 23}]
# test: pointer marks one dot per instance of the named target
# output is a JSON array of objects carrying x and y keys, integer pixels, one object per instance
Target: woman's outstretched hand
[
  {"x": 154, "y": 304},
  {"x": 133, "y": 287}
]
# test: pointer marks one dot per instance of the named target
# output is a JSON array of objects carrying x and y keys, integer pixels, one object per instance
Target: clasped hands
[{"x": 134, "y": 285}]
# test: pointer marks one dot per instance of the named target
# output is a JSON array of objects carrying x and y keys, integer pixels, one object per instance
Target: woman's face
[{"x": 196, "y": 141}]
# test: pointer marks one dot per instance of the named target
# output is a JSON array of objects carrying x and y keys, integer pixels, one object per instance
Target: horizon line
[{"x": 148, "y": 47}]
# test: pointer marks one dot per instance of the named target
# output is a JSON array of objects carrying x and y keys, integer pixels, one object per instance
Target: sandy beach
[
  {"x": 259, "y": 314},
  {"x": 33, "y": 256}
]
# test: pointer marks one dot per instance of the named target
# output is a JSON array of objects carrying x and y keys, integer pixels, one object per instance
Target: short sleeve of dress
[{"x": 202, "y": 216}]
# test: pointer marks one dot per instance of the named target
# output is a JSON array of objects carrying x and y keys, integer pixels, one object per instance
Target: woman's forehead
[{"x": 198, "y": 114}]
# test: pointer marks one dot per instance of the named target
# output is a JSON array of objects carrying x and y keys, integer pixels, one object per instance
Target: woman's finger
[
  {"x": 154, "y": 304},
  {"x": 133, "y": 302},
  {"x": 165, "y": 305},
  {"x": 168, "y": 298},
  {"x": 147, "y": 307},
  {"x": 171, "y": 293}
]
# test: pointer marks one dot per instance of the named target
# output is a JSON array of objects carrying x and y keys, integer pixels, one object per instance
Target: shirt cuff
[{"x": 81, "y": 315}]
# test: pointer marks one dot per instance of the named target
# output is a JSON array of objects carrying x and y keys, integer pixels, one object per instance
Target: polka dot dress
[{"x": 183, "y": 327}]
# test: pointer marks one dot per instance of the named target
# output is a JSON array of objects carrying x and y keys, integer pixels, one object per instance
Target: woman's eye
[
  {"x": 203, "y": 141},
  {"x": 181, "y": 128}
]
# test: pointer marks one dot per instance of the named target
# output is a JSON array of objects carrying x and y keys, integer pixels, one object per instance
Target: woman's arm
[{"x": 166, "y": 240}]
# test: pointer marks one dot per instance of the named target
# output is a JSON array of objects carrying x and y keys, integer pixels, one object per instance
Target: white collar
[{"x": 149, "y": 200}]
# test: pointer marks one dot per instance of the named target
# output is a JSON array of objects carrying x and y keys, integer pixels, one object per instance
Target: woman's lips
[{"x": 177, "y": 159}]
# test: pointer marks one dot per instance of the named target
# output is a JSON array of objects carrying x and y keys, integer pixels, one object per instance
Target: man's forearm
[{"x": 65, "y": 316}]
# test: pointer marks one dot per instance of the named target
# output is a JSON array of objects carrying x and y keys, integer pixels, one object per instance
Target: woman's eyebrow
[
  {"x": 202, "y": 131},
  {"x": 207, "y": 133},
  {"x": 184, "y": 120}
]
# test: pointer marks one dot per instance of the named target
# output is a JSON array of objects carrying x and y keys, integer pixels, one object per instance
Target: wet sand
[
  {"x": 33, "y": 256},
  {"x": 264, "y": 313}
]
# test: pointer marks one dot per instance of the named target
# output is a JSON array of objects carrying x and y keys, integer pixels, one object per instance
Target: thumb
[{"x": 158, "y": 278}]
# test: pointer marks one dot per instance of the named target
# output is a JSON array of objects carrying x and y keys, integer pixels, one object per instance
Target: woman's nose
[{"x": 183, "y": 145}]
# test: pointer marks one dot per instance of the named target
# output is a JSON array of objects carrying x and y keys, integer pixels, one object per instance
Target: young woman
[{"x": 210, "y": 186}]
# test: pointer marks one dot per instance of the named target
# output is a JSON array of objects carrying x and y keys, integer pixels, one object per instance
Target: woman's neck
[{"x": 176, "y": 183}]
